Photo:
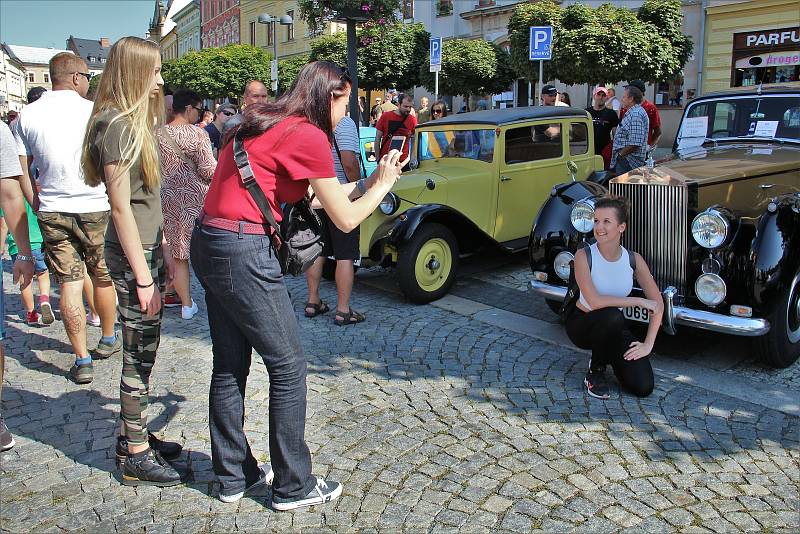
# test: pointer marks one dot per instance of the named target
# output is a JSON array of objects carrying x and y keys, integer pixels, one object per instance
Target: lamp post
[{"x": 283, "y": 20}]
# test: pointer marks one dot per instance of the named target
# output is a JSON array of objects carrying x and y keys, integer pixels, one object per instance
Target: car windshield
[
  {"x": 767, "y": 116},
  {"x": 471, "y": 144}
]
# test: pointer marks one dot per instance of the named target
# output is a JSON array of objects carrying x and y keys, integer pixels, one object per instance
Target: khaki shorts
[{"x": 74, "y": 244}]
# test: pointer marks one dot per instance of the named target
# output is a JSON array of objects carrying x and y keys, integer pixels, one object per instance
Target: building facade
[
  {"x": 93, "y": 51},
  {"x": 169, "y": 45},
  {"x": 187, "y": 25},
  {"x": 36, "y": 62},
  {"x": 292, "y": 39},
  {"x": 219, "y": 23},
  {"x": 13, "y": 83},
  {"x": 750, "y": 43}
]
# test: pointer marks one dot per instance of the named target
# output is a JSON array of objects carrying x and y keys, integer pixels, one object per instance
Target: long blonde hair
[{"x": 125, "y": 89}]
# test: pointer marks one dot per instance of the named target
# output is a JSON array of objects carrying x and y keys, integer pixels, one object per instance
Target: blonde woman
[{"x": 121, "y": 151}]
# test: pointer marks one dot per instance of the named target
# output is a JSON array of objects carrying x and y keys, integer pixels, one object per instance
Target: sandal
[
  {"x": 349, "y": 317},
  {"x": 319, "y": 308}
]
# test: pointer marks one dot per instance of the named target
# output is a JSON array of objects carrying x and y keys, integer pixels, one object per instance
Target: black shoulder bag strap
[{"x": 249, "y": 181}]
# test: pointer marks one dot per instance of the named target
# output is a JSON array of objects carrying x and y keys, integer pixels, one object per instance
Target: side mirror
[{"x": 572, "y": 168}]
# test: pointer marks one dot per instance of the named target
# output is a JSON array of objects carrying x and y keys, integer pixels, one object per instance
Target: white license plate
[{"x": 636, "y": 313}]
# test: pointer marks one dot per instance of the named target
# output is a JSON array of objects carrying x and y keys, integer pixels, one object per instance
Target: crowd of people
[{"x": 113, "y": 199}]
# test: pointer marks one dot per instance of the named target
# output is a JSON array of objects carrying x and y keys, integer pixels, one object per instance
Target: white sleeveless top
[{"x": 610, "y": 278}]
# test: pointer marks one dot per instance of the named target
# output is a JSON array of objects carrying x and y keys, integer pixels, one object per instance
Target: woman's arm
[
  {"x": 597, "y": 301},
  {"x": 203, "y": 157},
  {"x": 337, "y": 201},
  {"x": 648, "y": 284},
  {"x": 119, "y": 193}
]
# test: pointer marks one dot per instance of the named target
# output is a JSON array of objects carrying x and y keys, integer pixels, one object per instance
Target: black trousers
[{"x": 606, "y": 334}]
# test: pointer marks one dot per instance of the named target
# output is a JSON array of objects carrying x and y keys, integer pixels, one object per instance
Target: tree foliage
[
  {"x": 317, "y": 13},
  {"x": 218, "y": 72},
  {"x": 607, "y": 44},
  {"x": 470, "y": 67},
  {"x": 388, "y": 55},
  {"x": 288, "y": 69}
]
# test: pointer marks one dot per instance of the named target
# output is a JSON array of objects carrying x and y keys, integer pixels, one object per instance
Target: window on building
[
  {"x": 253, "y": 32},
  {"x": 670, "y": 93},
  {"x": 578, "y": 139},
  {"x": 486, "y": 3},
  {"x": 46, "y": 77},
  {"x": 444, "y": 8},
  {"x": 270, "y": 30},
  {"x": 408, "y": 9},
  {"x": 102, "y": 60},
  {"x": 31, "y": 77},
  {"x": 290, "y": 27},
  {"x": 533, "y": 143}
]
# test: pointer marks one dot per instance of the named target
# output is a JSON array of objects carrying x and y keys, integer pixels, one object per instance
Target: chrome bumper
[{"x": 679, "y": 315}]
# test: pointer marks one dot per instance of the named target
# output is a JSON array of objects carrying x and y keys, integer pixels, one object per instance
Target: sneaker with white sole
[
  {"x": 324, "y": 491},
  {"x": 48, "y": 317},
  {"x": 93, "y": 320},
  {"x": 265, "y": 478},
  {"x": 6, "y": 439},
  {"x": 187, "y": 312}
]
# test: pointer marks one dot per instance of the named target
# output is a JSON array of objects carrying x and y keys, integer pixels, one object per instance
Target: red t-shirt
[
  {"x": 283, "y": 159},
  {"x": 652, "y": 115},
  {"x": 392, "y": 122}
]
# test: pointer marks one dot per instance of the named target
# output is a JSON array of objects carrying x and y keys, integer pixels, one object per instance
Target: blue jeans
[{"x": 249, "y": 308}]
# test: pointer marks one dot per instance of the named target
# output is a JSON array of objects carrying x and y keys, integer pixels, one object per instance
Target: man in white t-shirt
[{"x": 72, "y": 216}]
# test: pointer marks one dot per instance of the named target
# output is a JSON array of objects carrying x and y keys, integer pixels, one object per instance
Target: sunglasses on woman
[{"x": 436, "y": 110}]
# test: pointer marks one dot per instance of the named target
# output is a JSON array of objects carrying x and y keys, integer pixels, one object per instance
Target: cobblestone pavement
[{"x": 433, "y": 420}]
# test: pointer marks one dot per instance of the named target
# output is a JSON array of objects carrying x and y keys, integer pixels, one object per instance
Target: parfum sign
[{"x": 767, "y": 38}]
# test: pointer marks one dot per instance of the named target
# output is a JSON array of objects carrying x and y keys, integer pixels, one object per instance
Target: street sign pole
[
  {"x": 540, "y": 48},
  {"x": 436, "y": 88}
]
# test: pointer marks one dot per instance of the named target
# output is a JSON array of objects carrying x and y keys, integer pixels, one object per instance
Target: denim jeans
[{"x": 249, "y": 308}]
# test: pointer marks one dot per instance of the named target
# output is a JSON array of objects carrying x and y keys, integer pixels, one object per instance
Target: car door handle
[{"x": 505, "y": 179}]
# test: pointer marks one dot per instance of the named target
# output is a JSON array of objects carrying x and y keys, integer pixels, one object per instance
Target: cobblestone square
[{"x": 435, "y": 418}]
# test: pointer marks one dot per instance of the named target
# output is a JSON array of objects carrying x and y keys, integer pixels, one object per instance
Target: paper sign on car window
[
  {"x": 766, "y": 128},
  {"x": 693, "y": 132}
]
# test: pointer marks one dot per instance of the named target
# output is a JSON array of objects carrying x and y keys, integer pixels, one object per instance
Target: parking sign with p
[
  {"x": 541, "y": 39},
  {"x": 436, "y": 53}
]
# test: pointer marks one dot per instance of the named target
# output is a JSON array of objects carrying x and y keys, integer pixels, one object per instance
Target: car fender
[
  {"x": 400, "y": 230},
  {"x": 552, "y": 230},
  {"x": 776, "y": 251}
]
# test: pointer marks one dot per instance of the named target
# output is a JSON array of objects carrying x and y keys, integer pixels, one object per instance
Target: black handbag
[{"x": 299, "y": 235}]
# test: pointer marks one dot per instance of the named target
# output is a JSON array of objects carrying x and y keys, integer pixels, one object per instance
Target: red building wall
[{"x": 220, "y": 22}]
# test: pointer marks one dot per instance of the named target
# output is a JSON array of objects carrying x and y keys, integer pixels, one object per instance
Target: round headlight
[
  {"x": 582, "y": 215},
  {"x": 710, "y": 229},
  {"x": 389, "y": 204},
  {"x": 710, "y": 289},
  {"x": 561, "y": 264}
]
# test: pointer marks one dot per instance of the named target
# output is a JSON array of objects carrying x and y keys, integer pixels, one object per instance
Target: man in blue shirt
[
  {"x": 629, "y": 150},
  {"x": 344, "y": 247}
]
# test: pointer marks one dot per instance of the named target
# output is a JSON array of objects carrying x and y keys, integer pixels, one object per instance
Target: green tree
[
  {"x": 470, "y": 67},
  {"x": 219, "y": 72},
  {"x": 388, "y": 55},
  {"x": 94, "y": 83},
  {"x": 288, "y": 69},
  {"x": 607, "y": 44}
]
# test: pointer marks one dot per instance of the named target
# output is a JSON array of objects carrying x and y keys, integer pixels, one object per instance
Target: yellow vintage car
[{"x": 478, "y": 179}]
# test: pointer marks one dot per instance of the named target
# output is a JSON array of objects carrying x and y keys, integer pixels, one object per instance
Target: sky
[{"x": 48, "y": 23}]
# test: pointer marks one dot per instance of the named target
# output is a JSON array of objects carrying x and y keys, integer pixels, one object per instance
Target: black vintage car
[{"x": 718, "y": 222}]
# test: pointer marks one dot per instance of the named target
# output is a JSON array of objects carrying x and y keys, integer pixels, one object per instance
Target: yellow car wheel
[{"x": 427, "y": 264}]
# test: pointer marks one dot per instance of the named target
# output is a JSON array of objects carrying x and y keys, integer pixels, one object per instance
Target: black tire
[
  {"x": 438, "y": 243},
  {"x": 329, "y": 269},
  {"x": 781, "y": 346},
  {"x": 554, "y": 305}
]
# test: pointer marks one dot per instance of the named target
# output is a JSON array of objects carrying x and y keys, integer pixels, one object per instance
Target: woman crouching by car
[
  {"x": 233, "y": 255},
  {"x": 597, "y": 322}
]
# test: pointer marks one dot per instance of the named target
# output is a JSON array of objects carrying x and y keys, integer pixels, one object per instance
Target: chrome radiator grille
[{"x": 657, "y": 228}]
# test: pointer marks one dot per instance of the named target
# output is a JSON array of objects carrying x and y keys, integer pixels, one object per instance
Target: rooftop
[
  {"x": 90, "y": 48},
  {"x": 32, "y": 55},
  {"x": 497, "y": 117}
]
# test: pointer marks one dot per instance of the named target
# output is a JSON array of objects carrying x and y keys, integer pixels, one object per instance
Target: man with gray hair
[{"x": 629, "y": 150}]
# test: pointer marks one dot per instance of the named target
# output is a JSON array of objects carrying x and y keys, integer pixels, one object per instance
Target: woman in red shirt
[{"x": 289, "y": 147}]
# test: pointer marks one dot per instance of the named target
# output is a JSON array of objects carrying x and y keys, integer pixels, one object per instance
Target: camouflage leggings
[{"x": 140, "y": 338}]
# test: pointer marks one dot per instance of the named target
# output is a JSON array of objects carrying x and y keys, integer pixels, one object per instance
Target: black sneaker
[
  {"x": 596, "y": 385},
  {"x": 169, "y": 450},
  {"x": 6, "y": 439},
  {"x": 148, "y": 469},
  {"x": 265, "y": 477},
  {"x": 324, "y": 491},
  {"x": 82, "y": 374}
]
